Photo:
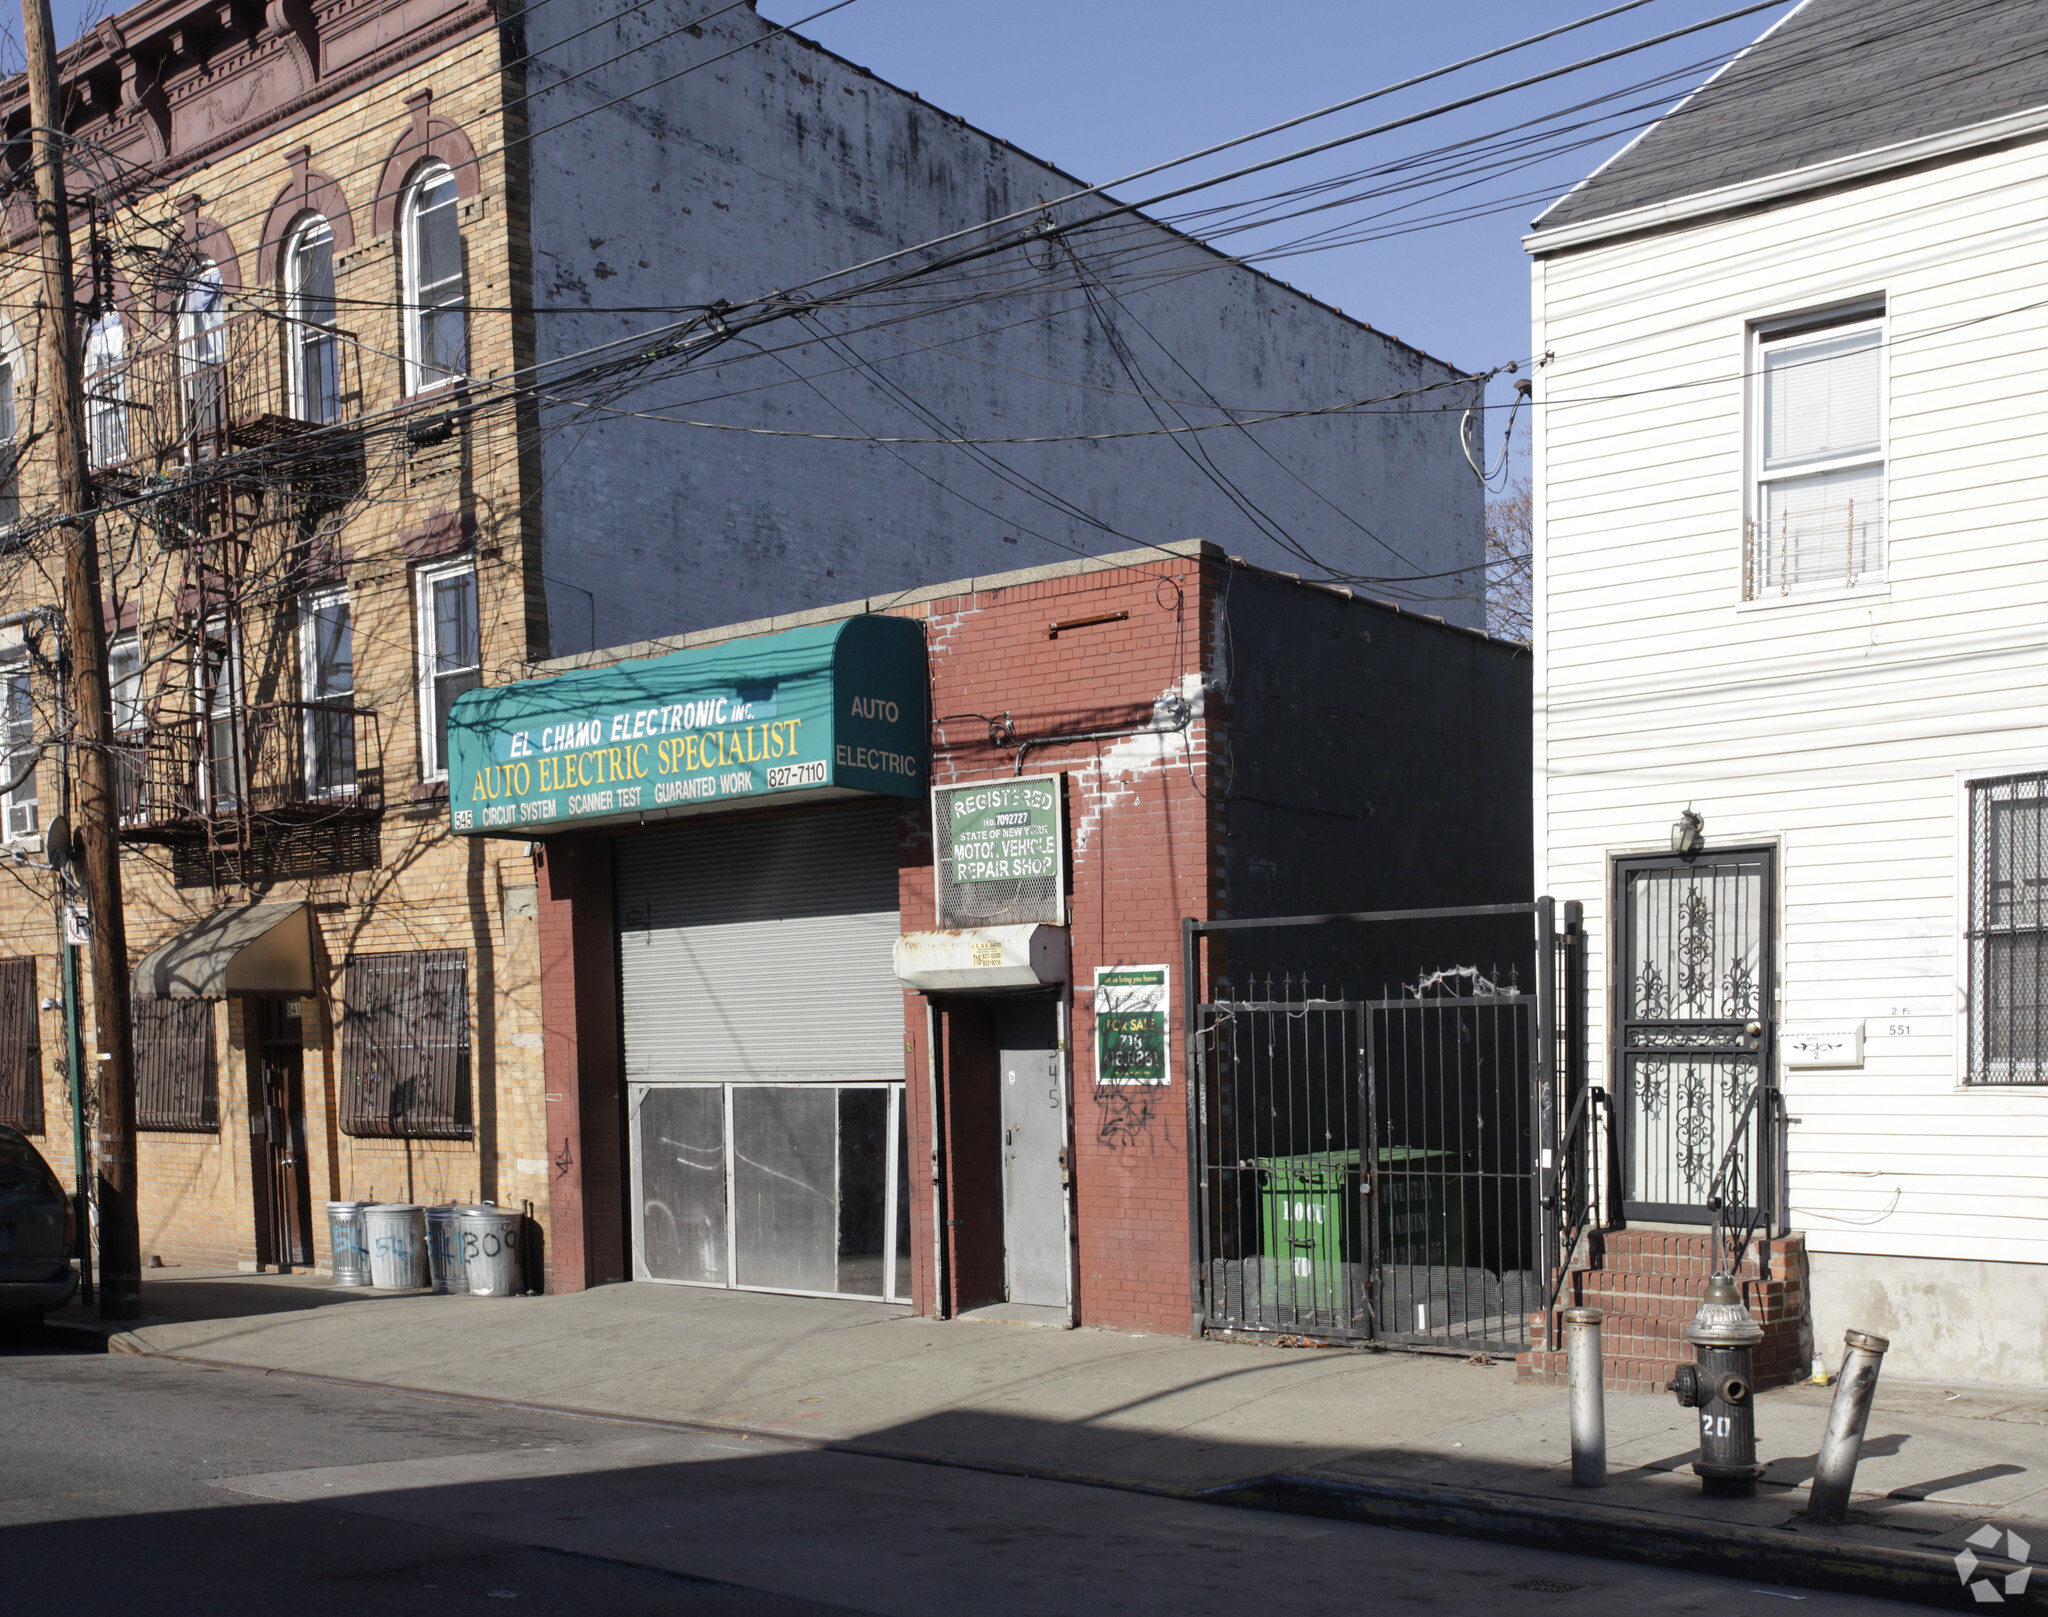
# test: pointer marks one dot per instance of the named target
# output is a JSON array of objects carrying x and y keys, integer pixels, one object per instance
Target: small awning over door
[{"x": 253, "y": 949}]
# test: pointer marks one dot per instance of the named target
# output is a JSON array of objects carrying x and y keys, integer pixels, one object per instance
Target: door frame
[{"x": 1619, "y": 864}]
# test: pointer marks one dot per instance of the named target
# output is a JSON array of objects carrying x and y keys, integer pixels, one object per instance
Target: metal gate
[{"x": 1383, "y": 1168}]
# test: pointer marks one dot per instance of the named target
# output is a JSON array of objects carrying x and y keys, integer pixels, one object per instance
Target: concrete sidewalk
[{"x": 1134, "y": 1411}]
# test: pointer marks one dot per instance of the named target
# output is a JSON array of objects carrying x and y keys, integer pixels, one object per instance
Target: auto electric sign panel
[
  {"x": 1002, "y": 852},
  {"x": 825, "y": 711}
]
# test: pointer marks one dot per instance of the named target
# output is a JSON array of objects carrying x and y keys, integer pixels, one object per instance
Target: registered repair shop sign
[{"x": 1130, "y": 1025}]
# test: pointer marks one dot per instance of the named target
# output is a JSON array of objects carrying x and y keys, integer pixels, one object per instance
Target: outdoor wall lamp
[{"x": 1689, "y": 835}]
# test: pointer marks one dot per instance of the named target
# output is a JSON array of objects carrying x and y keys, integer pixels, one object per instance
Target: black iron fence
[{"x": 1388, "y": 1168}]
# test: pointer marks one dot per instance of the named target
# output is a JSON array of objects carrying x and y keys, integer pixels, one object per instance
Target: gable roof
[{"x": 1833, "y": 79}]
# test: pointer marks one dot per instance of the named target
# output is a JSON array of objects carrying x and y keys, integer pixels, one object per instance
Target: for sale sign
[{"x": 1130, "y": 1025}]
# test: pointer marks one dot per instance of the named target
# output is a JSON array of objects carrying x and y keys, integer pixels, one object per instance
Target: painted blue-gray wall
[{"x": 782, "y": 163}]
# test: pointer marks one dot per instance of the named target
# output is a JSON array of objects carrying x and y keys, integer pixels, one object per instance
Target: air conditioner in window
[{"x": 21, "y": 821}]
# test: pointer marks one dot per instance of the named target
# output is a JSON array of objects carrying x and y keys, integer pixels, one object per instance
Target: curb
[
  {"x": 95, "y": 1338},
  {"x": 1608, "y": 1532},
  {"x": 1776, "y": 1555}
]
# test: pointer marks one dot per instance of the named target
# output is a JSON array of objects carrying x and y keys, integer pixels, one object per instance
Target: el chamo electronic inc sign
[{"x": 826, "y": 711}]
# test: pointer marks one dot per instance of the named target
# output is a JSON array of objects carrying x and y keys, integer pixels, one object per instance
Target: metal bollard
[
  {"x": 1589, "y": 1402},
  {"x": 1842, "y": 1444},
  {"x": 1719, "y": 1386}
]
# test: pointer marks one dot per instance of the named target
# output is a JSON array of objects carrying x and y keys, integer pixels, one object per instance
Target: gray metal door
[{"x": 1034, "y": 1212}]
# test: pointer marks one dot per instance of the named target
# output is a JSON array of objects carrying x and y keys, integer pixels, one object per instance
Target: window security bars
[
  {"x": 21, "y": 1064},
  {"x": 405, "y": 1046},
  {"x": 177, "y": 1083},
  {"x": 2008, "y": 930}
]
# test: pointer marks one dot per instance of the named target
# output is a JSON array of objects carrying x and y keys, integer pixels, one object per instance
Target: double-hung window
[
  {"x": 202, "y": 356},
  {"x": 220, "y": 702},
  {"x": 315, "y": 344},
  {"x": 436, "y": 344},
  {"x": 2008, "y": 930},
  {"x": 106, "y": 393},
  {"x": 10, "y": 453},
  {"x": 1817, "y": 503},
  {"x": 131, "y": 742},
  {"x": 451, "y": 659},
  {"x": 17, "y": 763},
  {"x": 327, "y": 675}
]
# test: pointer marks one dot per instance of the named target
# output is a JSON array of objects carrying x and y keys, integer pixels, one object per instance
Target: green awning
[
  {"x": 253, "y": 949},
  {"x": 830, "y": 710}
]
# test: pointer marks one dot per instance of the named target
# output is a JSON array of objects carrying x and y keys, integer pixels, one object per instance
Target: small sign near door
[{"x": 1130, "y": 1025}]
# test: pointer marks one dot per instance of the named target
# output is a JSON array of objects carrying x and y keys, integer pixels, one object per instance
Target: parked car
[{"x": 37, "y": 1233}]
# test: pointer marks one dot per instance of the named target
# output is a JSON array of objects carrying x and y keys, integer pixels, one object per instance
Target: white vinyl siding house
[{"x": 1792, "y": 572}]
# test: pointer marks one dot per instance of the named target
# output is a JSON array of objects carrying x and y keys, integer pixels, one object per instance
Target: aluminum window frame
[
  {"x": 312, "y": 603},
  {"x": 17, "y": 669},
  {"x": 1763, "y": 338},
  {"x": 105, "y": 378},
  {"x": 304, "y": 336},
  {"x": 433, "y": 740},
  {"x": 896, "y": 1270},
  {"x": 419, "y": 299}
]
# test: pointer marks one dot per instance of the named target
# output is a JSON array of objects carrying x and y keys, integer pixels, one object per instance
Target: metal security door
[
  {"x": 1034, "y": 1213},
  {"x": 1694, "y": 1033}
]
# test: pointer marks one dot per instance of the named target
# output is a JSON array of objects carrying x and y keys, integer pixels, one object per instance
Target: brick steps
[{"x": 1648, "y": 1283}]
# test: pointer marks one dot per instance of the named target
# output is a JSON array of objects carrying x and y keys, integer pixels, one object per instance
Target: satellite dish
[{"x": 57, "y": 842}]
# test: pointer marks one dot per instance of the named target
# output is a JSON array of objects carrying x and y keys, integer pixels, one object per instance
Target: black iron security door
[{"x": 1694, "y": 1033}]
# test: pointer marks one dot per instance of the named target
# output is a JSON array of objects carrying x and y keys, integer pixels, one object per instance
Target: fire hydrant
[{"x": 1720, "y": 1387}]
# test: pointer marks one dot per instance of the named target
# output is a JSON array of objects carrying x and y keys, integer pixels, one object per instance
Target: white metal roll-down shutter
[{"x": 760, "y": 949}]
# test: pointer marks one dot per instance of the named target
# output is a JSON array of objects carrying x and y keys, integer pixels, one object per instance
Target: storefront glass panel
[
  {"x": 773, "y": 1187},
  {"x": 682, "y": 1184}
]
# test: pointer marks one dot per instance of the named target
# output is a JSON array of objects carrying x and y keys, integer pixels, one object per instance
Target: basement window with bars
[
  {"x": 21, "y": 1049},
  {"x": 2008, "y": 931},
  {"x": 405, "y": 1046},
  {"x": 177, "y": 1081},
  {"x": 1817, "y": 505}
]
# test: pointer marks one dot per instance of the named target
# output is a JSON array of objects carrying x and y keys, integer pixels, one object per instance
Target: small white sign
[
  {"x": 77, "y": 926},
  {"x": 1821, "y": 1044}
]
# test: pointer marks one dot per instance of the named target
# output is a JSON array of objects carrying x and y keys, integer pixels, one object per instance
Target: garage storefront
[{"x": 763, "y": 1044}]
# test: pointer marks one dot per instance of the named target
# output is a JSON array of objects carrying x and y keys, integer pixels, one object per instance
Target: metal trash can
[
  {"x": 348, "y": 1243},
  {"x": 490, "y": 1249},
  {"x": 446, "y": 1270},
  {"x": 398, "y": 1245}
]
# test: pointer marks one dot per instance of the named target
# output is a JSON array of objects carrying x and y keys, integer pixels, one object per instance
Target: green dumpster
[
  {"x": 1311, "y": 1223},
  {"x": 1308, "y": 1228},
  {"x": 1422, "y": 1207}
]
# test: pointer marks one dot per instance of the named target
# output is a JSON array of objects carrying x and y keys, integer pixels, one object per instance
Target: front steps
[{"x": 1649, "y": 1283}]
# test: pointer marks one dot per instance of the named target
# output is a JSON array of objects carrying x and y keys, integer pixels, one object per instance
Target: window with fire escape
[
  {"x": 451, "y": 659},
  {"x": 18, "y": 730},
  {"x": 436, "y": 343},
  {"x": 202, "y": 356},
  {"x": 327, "y": 673},
  {"x": 220, "y": 706},
  {"x": 106, "y": 393},
  {"x": 315, "y": 344},
  {"x": 131, "y": 741},
  {"x": 10, "y": 453}
]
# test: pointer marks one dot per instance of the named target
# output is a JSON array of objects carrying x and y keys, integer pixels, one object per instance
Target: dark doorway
[{"x": 277, "y": 1134}]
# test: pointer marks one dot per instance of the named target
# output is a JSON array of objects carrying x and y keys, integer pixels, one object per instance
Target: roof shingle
[{"x": 1834, "y": 78}]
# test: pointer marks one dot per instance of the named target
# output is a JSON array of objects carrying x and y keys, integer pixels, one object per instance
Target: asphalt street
[{"x": 142, "y": 1485}]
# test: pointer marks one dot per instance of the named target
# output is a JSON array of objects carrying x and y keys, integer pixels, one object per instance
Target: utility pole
[{"x": 97, "y": 851}]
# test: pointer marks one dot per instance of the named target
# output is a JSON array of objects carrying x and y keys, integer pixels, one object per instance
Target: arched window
[
  {"x": 309, "y": 297},
  {"x": 106, "y": 393},
  {"x": 202, "y": 354},
  {"x": 436, "y": 346}
]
